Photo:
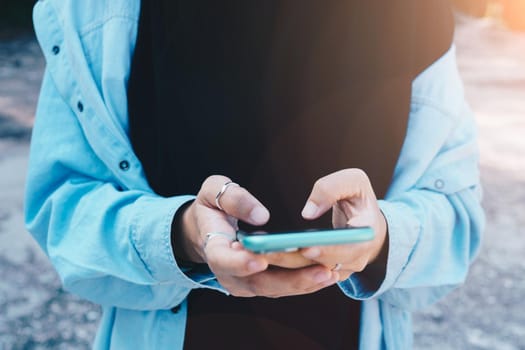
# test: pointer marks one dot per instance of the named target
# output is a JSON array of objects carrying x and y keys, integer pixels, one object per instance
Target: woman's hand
[
  {"x": 350, "y": 195},
  {"x": 240, "y": 271}
]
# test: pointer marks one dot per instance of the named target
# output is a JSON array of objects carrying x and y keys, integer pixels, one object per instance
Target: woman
[{"x": 143, "y": 104}]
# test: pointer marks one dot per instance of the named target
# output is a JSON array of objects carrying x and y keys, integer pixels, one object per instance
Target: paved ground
[
  {"x": 487, "y": 313},
  {"x": 35, "y": 313}
]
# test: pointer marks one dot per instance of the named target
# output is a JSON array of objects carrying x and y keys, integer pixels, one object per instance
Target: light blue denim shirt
[{"x": 108, "y": 235}]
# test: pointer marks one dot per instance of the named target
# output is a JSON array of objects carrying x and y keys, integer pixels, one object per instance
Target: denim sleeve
[
  {"x": 433, "y": 211},
  {"x": 109, "y": 245}
]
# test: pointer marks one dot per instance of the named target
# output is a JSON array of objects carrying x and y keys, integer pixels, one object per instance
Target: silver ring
[
  {"x": 221, "y": 192},
  {"x": 231, "y": 237},
  {"x": 337, "y": 267}
]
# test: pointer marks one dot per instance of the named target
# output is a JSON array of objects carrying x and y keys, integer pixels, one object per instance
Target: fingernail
[
  {"x": 312, "y": 253},
  {"x": 309, "y": 210},
  {"x": 259, "y": 215},
  {"x": 322, "y": 276}
]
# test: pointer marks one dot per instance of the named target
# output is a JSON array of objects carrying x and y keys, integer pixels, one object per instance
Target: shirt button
[
  {"x": 56, "y": 50},
  {"x": 80, "y": 106},
  {"x": 439, "y": 184},
  {"x": 124, "y": 165}
]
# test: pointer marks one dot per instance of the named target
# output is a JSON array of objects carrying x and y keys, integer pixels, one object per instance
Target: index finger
[
  {"x": 327, "y": 191},
  {"x": 235, "y": 200}
]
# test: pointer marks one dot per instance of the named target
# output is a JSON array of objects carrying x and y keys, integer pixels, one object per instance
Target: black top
[{"x": 276, "y": 94}]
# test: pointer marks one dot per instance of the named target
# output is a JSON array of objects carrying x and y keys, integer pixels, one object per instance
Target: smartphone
[{"x": 293, "y": 240}]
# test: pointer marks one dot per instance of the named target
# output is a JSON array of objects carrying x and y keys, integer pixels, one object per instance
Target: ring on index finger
[
  {"x": 222, "y": 191},
  {"x": 337, "y": 267},
  {"x": 230, "y": 236}
]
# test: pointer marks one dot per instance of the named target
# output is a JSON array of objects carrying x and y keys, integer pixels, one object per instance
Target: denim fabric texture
[{"x": 90, "y": 208}]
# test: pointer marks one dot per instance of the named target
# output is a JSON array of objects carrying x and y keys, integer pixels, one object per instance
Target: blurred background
[{"x": 488, "y": 312}]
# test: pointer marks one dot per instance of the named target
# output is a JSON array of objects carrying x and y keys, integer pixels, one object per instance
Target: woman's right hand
[{"x": 240, "y": 271}]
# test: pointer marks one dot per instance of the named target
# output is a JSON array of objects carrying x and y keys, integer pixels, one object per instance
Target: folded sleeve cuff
[
  {"x": 403, "y": 230},
  {"x": 151, "y": 237}
]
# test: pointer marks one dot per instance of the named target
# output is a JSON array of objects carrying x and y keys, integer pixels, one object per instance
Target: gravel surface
[
  {"x": 35, "y": 312},
  {"x": 488, "y": 312}
]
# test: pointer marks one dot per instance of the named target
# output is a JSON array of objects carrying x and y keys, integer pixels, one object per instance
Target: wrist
[
  {"x": 381, "y": 237},
  {"x": 379, "y": 260},
  {"x": 183, "y": 229}
]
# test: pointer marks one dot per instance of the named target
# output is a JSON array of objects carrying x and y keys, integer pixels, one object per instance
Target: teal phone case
[{"x": 290, "y": 241}]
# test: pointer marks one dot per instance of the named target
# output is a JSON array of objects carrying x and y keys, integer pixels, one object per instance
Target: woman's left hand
[{"x": 350, "y": 195}]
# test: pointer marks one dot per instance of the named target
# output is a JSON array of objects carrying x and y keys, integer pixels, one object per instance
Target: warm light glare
[{"x": 511, "y": 13}]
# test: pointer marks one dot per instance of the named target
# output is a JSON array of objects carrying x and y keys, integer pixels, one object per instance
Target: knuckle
[
  {"x": 322, "y": 185},
  {"x": 359, "y": 172},
  {"x": 362, "y": 176},
  {"x": 209, "y": 181},
  {"x": 213, "y": 183},
  {"x": 354, "y": 173}
]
